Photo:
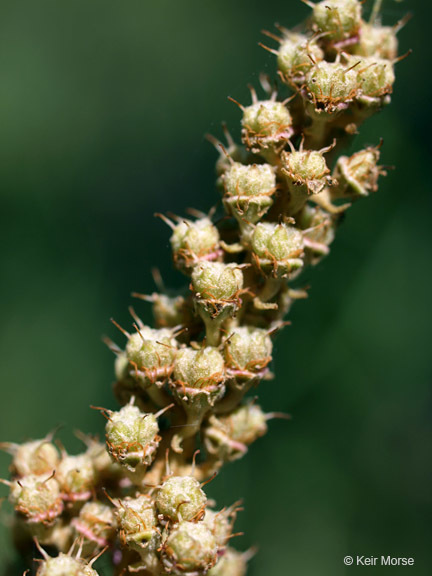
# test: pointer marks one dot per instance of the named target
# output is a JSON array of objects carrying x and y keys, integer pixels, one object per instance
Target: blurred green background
[{"x": 103, "y": 109}]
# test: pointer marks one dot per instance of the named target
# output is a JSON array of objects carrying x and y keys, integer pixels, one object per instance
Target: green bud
[
  {"x": 132, "y": 437},
  {"x": 358, "y": 174},
  {"x": 220, "y": 523},
  {"x": 217, "y": 287},
  {"x": 227, "y": 437},
  {"x": 77, "y": 477},
  {"x": 266, "y": 123},
  {"x": 96, "y": 523},
  {"x": 137, "y": 520},
  {"x": 65, "y": 565},
  {"x": 277, "y": 248},
  {"x": 151, "y": 354},
  {"x": 297, "y": 54},
  {"x": 37, "y": 498},
  {"x": 189, "y": 549},
  {"x": 181, "y": 498},
  {"x": 340, "y": 19},
  {"x": 307, "y": 168},
  {"x": 248, "y": 190},
  {"x": 232, "y": 563},
  {"x": 377, "y": 41},
  {"x": 375, "y": 76},
  {"x": 331, "y": 86},
  {"x": 247, "y": 352},
  {"x": 199, "y": 371},
  {"x": 170, "y": 311},
  {"x": 192, "y": 242}
]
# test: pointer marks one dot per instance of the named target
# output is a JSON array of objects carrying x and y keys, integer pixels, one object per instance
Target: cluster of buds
[{"x": 183, "y": 385}]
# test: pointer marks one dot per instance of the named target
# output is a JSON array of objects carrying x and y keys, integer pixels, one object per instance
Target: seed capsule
[
  {"x": 96, "y": 524},
  {"x": 375, "y": 76},
  {"x": 189, "y": 549},
  {"x": 248, "y": 190},
  {"x": 151, "y": 355},
  {"x": 76, "y": 476},
  {"x": 65, "y": 565},
  {"x": 307, "y": 169},
  {"x": 277, "y": 248},
  {"x": 296, "y": 55},
  {"x": 192, "y": 242},
  {"x": 266, "y": 123},
  {"x": 331, "y": 86},
  {"x": 227, "y": 437},
  {"x": 37, "y": 498},
  {"x": 181, "y": 498},
  {"x": 137, "y": 520},
  {"x": 377, "y": 41},
  {"x": 132, "y": 437},
  {"x": 247, "y": 353},
  {"x": 35, "y": 457},
  {"x": 339, "y": 19}
]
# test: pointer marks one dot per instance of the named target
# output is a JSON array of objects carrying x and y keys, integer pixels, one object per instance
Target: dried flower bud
[
  {"x": 307, "y": 169},
  {"x": 151, "y": 354},
  {"x": 227, "y": 437},
  {"x": 377, "y": 41},
  {"x": 192, "y": 242},
  {"x": 137, "y": 520},
  {"x": 132, "y": 437},
  {"x": 189, "y": 549},
  {"x": 296, "y": 55},
  {"x": 37, "y": 498},
  {"x": 266, "y": 123},
  {"x": 65, "y": 565},
  {"x": 181, "y": 498},
  {"x": 248, "y": 190},
  {"x": 232, "y": 563},
  {"x": 358, "y": 174},
  {"x": 277, "y": 248},
  {"x": 35, "y": 457},
  {"x": 339, "y": 19},
  {"x": 96, "y": 523},
  {"x": 247, "y": 353},
  {"x": 76, "y": 476},
  {"x": 331, "y": 86}
]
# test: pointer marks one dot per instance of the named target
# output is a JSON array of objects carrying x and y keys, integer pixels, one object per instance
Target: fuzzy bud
[
  {"x": 266, "y": 123},
  {"x": 232, "y": 563},
  {"x": 220, "y": 523},
  {"x": 377, "y": 41},
  {"x": 248, "y": 190},
  {"x": 339, "y": 19},
  {"x": 77, "y": 477},
  {"x": 227, "y": 437},
  {"x": 331, "y": 86},
  {"x": 192, "y": 242},
  {"x": 65, "y": 565},
  {"x": 35, "y": 457},
  {"x": 277, "y": 248},
  {"x": 247, "y": 353},
  {"x": 375, "y": 76},
  {"x": 189, "y": 549},
  {"x": 181, "y": 498},
  {"x": 297, "y": 54},
  {"x": 137, "y": 520},
  {"x": 151, "y": 354},
  {"x": 37, "y": 498},
  {"x": 307, "y": 169}
]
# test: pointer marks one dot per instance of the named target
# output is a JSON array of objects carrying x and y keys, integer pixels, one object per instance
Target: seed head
[
  {"x": 189, "y": 549},
  {"x": 181, "y": 498}
]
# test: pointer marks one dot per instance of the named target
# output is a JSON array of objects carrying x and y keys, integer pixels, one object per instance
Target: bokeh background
[{"x": 103, "y": 110}]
